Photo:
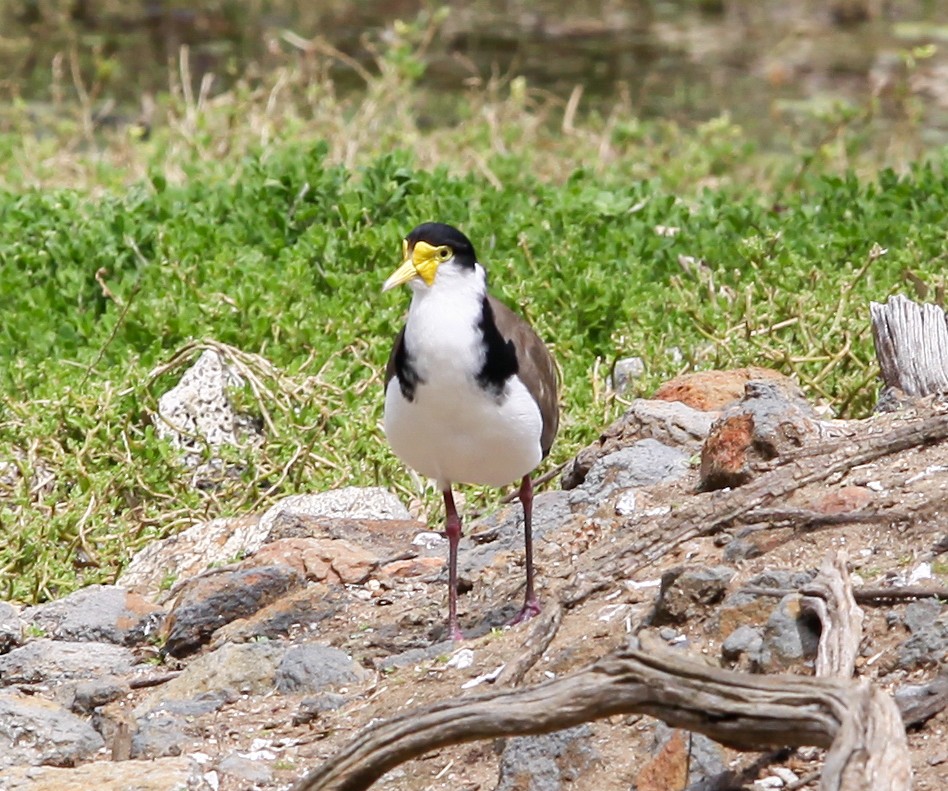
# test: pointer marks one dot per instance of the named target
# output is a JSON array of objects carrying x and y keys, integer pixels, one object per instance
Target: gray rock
[
  {"x": 96, "y": 613},
  {"x": 246, "y": 770},
  {"x": 196, "y": 414},
  {"x": 644, "y": 463},
  {"x": 310, "y": 708},
  {"x": 158, "y": 735},
  {"x": 37, "y": 731},
  {"x": 204, "y": 703},
  {"x": 926, "y": 648},
  {"x": 741, "y": 549},
  {"x": 352, "y": 502},
  {"x": 551, "y": 762},
  {"x": 312, "y": 667},
  {"x": 52, "y": 660},
  {"x": 83, "y": 697},
  {"x": 415, "y": 656},
  {"x": 625, "y": 371},
  {"x": 11, "y": 627},
  {"x": 789, "y": 636},
  {"x": 684, "y": 592},
  {"x": 245, "y": 668},
  {"x": 670, "y": 422},
  {"x": 921, "y": 614},
  {"x": 743, "y": 641}
]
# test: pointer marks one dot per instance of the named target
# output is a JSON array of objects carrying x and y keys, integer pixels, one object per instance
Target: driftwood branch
[
  {"x": 830, "y": 598},
  {"x": 872, "y": 596},
  {"x": 911, "y": 343},
  {"x": 737, "y": 709}
]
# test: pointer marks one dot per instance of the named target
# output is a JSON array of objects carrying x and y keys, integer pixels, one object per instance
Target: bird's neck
[{"x": 443, "y": 324}]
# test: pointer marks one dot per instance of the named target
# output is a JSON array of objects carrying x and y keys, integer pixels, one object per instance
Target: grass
[{"x": 261, "y": 223}]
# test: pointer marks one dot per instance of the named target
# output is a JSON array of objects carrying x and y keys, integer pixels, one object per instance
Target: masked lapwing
[{"x": 470, "y": 389}]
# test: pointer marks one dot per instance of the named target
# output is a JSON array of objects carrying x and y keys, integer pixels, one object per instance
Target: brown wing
[{"x": 537, "y": 370}]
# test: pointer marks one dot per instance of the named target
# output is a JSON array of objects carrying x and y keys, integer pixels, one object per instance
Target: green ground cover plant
[
  {"x": 107, "y": 299},
  {"x": 262, "y": 223}
]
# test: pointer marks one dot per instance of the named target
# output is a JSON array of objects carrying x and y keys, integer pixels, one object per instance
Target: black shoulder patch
[
  {"x": 400, "y": 366},
  {"x": 500, "y": 361}
]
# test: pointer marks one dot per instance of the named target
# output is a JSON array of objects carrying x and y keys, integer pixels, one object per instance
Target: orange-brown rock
[
  {"x": 844, "y": 500},
  {"x": 319, "y": 559},
  {"x": 414, "y": 567},
  {"x": 724, "y": 459},
  {"x": 711, "y": 391}
]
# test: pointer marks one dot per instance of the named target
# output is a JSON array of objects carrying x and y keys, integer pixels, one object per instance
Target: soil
[{"x": 910, "y": 485}]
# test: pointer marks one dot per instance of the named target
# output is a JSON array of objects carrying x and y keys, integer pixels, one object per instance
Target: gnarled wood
[
  {"x": 736, "y": 709},
  {"x": 911, "y": 343},
  {"x": 829, "y": 596}
]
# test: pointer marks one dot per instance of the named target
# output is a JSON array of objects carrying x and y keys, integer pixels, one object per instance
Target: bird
[{"x": 470, "y": 389}]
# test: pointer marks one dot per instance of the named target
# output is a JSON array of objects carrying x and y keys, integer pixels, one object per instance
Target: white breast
[{"x": 453, "y": 430}]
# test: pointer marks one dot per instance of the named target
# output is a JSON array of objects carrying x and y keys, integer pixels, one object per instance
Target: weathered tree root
[{"x": 859, "y": 724}]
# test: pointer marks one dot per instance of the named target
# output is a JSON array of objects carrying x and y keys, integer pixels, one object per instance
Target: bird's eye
[{"x": 444, "y": 253}]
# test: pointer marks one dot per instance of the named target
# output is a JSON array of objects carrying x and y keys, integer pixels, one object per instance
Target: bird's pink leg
[
  {"x": 452, "y": 529},
  {"x": 531, "y": 606}
]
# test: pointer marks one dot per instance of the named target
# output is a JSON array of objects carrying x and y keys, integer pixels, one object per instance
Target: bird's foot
[{"x": 530, "y": 608}]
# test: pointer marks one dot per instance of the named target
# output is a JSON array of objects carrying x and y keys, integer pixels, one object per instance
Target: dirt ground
[{"x": 910, "y": 485}]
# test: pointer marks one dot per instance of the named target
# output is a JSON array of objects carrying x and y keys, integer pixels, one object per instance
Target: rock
[
  {"x": 684, "y": 592},
  {"x": 672, "y": 424},
  {"x": 97, "y": 613},
  {"x": 667, "y": 768},
  {"x": 248, "y": 771},
  {"x": 351, "y": 502},
  {"x": 249, "y": 668},
  {"x": 318, "y": 559},
  {"x": 741, "y": 608},
  {"x": 11, "y": 627},
  {"x": 844, "y": 500},
  {"x": 196, "y": 414},
  {"x": 213, "y": 600},
  {"x": 922, "y": 614},
  {"x": 926, "y": 648},
  {"x": 299, "y": 609},
  {"x": 714, "y": 390},
  {"x": 159, "y": 734},
  {"x": 310, "y": 708},
  {"x": 49, "y": 660},
  {"x": 790, "y": 636},
  {"x": 681, "y": 759},
  {"x": 624, "y": 372},
  {"x": 83, "y": 697},
  {"x": 37, "y": 731},
  {"x": 191, "y": 552},
  {"x": 157, "y": 775},
  {"x": 550, "y": 762},
  {"x": 311, "y": 667},
  {"x": 745, "y": 641},
  {"x": 769, "y": 421},
  {"x": 644, "y": 463}
]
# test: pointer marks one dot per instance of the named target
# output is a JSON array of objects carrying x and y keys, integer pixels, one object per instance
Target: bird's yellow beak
[{"x": 421, "y": 261}]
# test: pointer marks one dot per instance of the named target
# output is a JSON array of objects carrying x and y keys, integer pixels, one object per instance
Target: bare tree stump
[{"x": 911, "y": 343}]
